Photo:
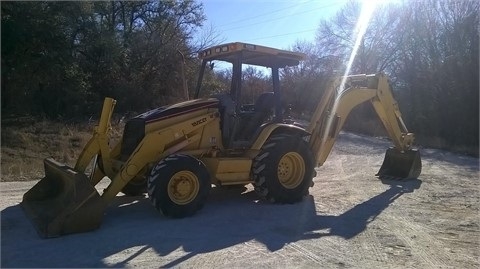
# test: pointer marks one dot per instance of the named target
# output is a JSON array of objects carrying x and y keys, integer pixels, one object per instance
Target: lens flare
[{"x": 368, "y": 7}]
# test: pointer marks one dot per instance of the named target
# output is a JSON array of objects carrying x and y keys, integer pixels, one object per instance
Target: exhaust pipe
[{"x": 63, "y": 202}]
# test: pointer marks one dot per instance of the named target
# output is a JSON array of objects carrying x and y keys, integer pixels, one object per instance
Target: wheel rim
[
  {"x": 183, "y": 187},
  {"x": 291, "y": 170}
]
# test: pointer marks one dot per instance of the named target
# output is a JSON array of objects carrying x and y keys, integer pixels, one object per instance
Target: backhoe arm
[{"x": 345, "y": 93}]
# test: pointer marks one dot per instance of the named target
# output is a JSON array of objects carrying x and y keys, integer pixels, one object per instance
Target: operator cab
[{"x": 241, "y": 123}]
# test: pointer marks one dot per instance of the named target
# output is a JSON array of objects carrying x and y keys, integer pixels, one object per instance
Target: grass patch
[{"x": 25, "y": 143}]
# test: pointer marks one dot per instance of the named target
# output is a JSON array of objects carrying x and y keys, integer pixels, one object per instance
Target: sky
[{"x": 271, "y": 23}]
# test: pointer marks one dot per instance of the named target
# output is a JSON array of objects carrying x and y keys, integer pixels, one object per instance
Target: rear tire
[
  {"x": 284, "y": 169},
  {"x": 178, "y": 186}
]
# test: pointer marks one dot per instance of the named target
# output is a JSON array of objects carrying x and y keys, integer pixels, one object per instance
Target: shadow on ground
[{"x": 131, "y": 227}]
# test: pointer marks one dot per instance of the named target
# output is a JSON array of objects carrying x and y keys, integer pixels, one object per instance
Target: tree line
[
  {"x": 429, "y": 49},
  {"x": 60, "y": 59}
]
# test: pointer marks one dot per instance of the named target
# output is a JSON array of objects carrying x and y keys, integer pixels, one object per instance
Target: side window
[{"x": 255, "y": 82}]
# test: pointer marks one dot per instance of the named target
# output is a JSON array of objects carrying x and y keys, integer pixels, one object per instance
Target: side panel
[{"x": 229, "y": 171}]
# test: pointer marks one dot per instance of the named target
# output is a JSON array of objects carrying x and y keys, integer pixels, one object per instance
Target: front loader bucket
[
  {"x": 400, "y": 165},
  {"x": 63, "y": 202}
]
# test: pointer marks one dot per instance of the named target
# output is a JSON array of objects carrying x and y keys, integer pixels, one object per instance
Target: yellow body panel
[{"x": 226, "y": 171}]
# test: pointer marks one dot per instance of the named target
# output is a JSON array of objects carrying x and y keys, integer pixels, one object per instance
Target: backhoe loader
[{"x": 175, "y": 153}]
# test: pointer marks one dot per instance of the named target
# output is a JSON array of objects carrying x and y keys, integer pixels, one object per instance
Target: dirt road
[{"x": 350, "y": 220}]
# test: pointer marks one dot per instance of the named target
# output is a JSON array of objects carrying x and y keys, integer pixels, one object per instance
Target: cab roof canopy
[{"x": 252, "y": 54}]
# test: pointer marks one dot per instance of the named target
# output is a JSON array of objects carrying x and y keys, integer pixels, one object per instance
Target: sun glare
[{"x": 368, "y": 7}]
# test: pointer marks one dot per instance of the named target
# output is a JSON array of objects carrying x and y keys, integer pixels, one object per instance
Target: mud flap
[
  {"x": 63, "y": 202},
  {"x": 400, "y": 165}
]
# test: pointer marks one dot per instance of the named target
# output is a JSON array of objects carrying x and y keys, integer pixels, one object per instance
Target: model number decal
[{"x": 202, "y": 120}]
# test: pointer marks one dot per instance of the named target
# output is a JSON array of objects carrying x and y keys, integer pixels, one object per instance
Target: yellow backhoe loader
[{"x": 176, "y": 152}]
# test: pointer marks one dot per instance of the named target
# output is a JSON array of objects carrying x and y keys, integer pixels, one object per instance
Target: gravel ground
[{"x": 350, "y": 220}]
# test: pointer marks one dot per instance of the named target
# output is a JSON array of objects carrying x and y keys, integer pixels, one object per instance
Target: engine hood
[
  {"x": 178, "y": 109},
  {"x": 134, "y": 130}
]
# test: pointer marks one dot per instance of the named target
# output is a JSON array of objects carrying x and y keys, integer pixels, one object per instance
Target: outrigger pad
[
  {"x": 63, "y": 202},
  {"x": 400, "y": 165}
]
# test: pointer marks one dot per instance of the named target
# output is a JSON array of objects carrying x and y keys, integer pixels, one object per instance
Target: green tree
[
  {"x": 39, "y": 72},
  {"x": 63, "y": 58}
]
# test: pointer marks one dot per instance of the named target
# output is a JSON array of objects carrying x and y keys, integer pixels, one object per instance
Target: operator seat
[
  {"x": 262, "y": 109},
  {"x": 227, "y": 115}
]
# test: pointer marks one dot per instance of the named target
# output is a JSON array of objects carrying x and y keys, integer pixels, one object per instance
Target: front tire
[
  {"x": 284, "y": 169},
  {"x": 178, "y": 186}
]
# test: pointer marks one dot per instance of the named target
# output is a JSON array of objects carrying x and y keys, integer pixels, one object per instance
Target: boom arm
[{"x": 345, "y": 93}]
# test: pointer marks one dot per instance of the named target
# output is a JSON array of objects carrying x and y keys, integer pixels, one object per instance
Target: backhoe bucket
[
  {"x": 63, "y": 202},
  {"x": 400, "y": 165}
]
